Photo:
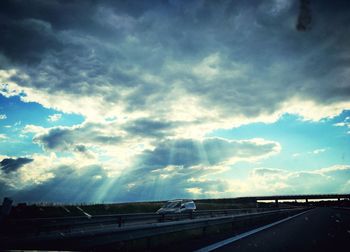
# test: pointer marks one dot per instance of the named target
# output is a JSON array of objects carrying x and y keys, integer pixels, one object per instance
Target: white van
[{"x": 177, "y": 206}]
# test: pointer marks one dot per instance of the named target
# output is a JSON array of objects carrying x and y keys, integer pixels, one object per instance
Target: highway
[
  {"x": 321, "y": 229},
  {"x": 105, "y": 235},
  {"x": 82, "y": 223},
  {"x": 302, "y": 229}
]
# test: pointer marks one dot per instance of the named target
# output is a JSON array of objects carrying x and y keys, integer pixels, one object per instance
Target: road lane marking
[
  {"x": 243, "y": 235},
  {"x": 85, "y": 213}
]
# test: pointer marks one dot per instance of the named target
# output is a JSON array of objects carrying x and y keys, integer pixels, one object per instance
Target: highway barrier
[
  {"x": 126, "y": 236},
  {"x": 40, "y": 225}
]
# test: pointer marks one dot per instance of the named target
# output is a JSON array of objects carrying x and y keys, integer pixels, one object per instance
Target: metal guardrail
[
  {"x": 39, "y": 225},
  {"x": 342, "y": 208},
  {"x": 299, "y": 196},
  {"x": 113, "y": 234}
]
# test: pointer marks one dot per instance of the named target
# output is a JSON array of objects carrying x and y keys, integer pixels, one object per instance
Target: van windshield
[{"x": 172, "y": 204}]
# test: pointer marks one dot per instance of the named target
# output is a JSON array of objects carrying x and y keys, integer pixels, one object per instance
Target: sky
[{"x": 121, "y": 101}]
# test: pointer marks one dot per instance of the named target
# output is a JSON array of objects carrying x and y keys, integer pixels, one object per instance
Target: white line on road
[
  {"x": 85, "y": 213},
  {"x": 243, "y": 235}
]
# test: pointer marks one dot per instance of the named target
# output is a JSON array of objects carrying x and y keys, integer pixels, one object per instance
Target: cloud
[
  {"x": 198, "y": 182},
  {"x": 189, "y": 164},
  {"x": 67, "y": 184},
  {"x": 59, "y": 179},
  {"x": 266, "y": 172},
  {"x": 345, "y": 123},
  {"x": 185, "y": 163},
  {"x": 268, "y": 181},
  {"x": 209, "y": 151},
  {"x": 318, "y": 151},
  {"x": 54, "y": 117},
  {"x": 82, "y": 149},
  {"x": 75, "y": 181},
  {"x": 8, "y": 165},
  {"x": 170, "y": 72},
  {"x": 313, "y": 152},
  {"x": 3, "y": 117},
  {"x": 70, "y": 138},
  {"x": 62, "y": 184},
  {"x": 122, "y": 59},
  {"x": 149, "y": 128},
  {"x": 172, "y": 182}
]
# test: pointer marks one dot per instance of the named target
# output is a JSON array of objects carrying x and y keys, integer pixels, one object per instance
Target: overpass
[{"x": 305, "y": 197}]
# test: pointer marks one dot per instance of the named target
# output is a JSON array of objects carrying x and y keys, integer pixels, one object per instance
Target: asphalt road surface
[{"x": 321, "y": 229}]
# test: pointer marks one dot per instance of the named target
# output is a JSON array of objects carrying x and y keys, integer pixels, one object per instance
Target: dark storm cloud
[
  {"x": 211, "y": 151},
  {"x": 304, "y": 18},
  {"x": 55, "y": 138},
  {"x": 80, "y": 148},
  {"x": 105, "y": 48},
  {"x": 29, "y": 27},
  {"x": 148, "y": 128},
  {"x": 8, "y": 165},
  {"x": 27, "y": 40},
  {"x": 65, "y": 138}
]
